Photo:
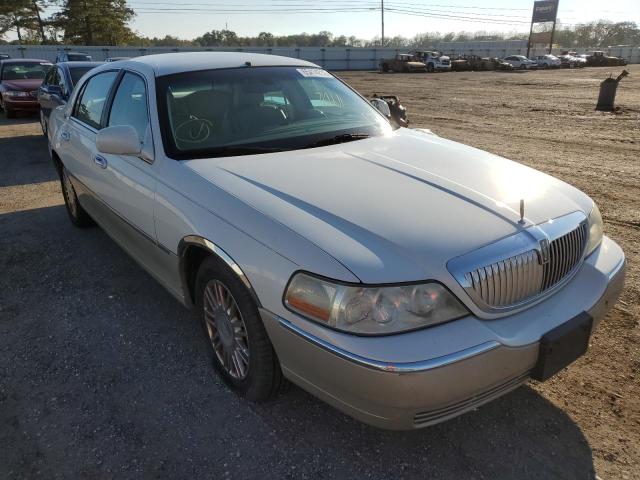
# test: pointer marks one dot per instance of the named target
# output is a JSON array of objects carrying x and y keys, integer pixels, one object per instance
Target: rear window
[{"x": 78, "y": 57}]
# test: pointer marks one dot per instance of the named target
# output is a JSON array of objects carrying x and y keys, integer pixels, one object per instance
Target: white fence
[{"x": 331, "y": 58}]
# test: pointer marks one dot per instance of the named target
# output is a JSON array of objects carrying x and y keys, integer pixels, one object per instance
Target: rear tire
[
  {"x": 78, "y": 215},
  {"x": 240, "y": 347},
  {"x": 9, "y": 112},
  {"x": 43, "y": 123}
]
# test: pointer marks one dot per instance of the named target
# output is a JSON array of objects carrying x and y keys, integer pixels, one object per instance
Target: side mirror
[
  {"x": 381, "y": 106},
  {"x": 119, "y": 140}
]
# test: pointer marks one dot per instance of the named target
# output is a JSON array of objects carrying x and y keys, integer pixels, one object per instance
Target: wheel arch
[
  {"x": 192, "y": 251},
  {"x": 57, "y": 162}
]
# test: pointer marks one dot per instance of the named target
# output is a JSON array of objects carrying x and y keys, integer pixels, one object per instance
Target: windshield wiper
[
  {"x": 233, "y": 150},
  {"x": 342, "y": 138}
]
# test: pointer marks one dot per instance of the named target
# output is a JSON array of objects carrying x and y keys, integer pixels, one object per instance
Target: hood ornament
[{"x": 521, "y": 211}]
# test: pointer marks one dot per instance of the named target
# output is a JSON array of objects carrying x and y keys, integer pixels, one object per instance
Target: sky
[{"x": 361, "y": 18}]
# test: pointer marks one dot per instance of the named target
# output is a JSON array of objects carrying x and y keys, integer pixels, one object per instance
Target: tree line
[{"x": 106, "y": 22}]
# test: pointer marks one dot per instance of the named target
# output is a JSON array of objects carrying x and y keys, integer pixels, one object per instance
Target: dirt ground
[{"x": 103, "y": 374}]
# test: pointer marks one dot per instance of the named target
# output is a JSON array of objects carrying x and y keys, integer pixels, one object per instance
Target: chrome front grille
[
  {"x": 508, "y": 281},
  {"x": 521, "y": 268},
  {"x": 564, "y": 253}
]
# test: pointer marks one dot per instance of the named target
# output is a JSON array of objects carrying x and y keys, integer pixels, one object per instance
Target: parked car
[
  {"x": 573, "y": 59},
  {"x": 520, "y": 62},
  {"x": 399, "y": 276},
  {"x": 435, "y": 61},
  {"x": 402, "y": 62},
  {"x": 4, "y": 56},
  {"x": 63, "y": 56},
  {"x": 547, "y": 61},
  {"x": 493, "y": 63},
  {"x": 460, "y": 64},
  {"x": 600, "y": 59},
  {"x": 58, "y": 85},
  {"x": 19, "y": 82},
  {"x": 116, "y": 59}
]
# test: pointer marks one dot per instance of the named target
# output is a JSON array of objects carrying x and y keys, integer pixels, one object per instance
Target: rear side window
[
  {"x": 130, "y": 105},
  {"x": 90, "y": 104}
]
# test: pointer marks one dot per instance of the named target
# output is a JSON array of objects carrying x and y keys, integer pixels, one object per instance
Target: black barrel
[{"x": 607, "y": 95}]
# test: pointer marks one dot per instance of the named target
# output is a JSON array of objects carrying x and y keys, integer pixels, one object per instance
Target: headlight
[
  {"x": 17, "y": 94},
  {"x": 595, "y": 229},
  {"x": 371, "y": 310}
]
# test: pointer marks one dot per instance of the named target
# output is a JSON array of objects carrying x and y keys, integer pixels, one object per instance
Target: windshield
[
  {"x": 77, "y": 73},
  {"x": 25, "y": 71},
  {"x": 258, "y": 109}
]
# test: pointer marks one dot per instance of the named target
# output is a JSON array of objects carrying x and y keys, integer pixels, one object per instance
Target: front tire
[
  {"x": 241, "y": 350},
  {"x": 9, "y": 112},
  {"x": 78, "y": 215}
]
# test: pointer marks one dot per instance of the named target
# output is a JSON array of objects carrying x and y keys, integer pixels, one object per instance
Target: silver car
[{"x": 399, "y": 276}]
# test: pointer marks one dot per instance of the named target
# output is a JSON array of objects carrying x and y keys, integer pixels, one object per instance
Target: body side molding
[{"x": 214, "y": 249}]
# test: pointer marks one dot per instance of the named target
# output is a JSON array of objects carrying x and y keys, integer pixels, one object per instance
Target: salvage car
[
  {"x": 402, "y": 62},
  {"x": 63, "y": 56},
  {"x": 601, "y": 59},
  {"x": 547, "y": 61},
  {"x": 19, "y": 82},
  {"x": 434, "y": 61},
  {"x": 520, "y": 62},
  {"x": 58, "y": 85},
  {"x": 399, "y": 276}
]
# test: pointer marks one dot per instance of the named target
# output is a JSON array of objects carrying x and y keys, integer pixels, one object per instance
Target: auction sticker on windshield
[{"x": 314, "y": 72}]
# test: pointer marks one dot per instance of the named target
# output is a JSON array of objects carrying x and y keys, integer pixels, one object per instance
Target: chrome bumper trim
[{"x": 400, "y": 368}]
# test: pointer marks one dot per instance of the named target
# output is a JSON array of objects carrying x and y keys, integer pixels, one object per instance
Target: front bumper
[{"x": 375, "y": 381}]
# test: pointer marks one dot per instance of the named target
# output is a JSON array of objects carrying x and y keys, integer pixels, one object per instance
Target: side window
[
  {"x": 130, "y": 105},
  {"x": 90, "y": 104}
]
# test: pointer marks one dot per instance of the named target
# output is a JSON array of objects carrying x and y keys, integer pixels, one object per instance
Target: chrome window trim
[
  {"x": 524, "y": 241},
  {"x": 391, "y": 367}
]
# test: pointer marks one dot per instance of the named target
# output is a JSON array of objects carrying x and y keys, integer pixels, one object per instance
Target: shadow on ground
[{"x": 103, "y": 374}]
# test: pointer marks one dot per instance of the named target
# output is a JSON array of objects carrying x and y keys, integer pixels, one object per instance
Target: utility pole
[{"x": 382, "y": 21}]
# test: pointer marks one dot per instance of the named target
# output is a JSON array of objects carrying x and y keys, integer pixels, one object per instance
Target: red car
[{"x": 19, "y": 82}]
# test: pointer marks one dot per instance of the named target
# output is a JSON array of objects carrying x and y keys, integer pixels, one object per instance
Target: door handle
[
  {"x": 66, "y": 136},
  {"x": 100, "y": 161}
]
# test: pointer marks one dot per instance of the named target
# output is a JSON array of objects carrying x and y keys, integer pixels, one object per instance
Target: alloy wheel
[{"x": 227, "y": 330}]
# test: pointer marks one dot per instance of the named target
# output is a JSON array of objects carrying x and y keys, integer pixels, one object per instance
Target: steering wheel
[{"x": 194, "y": 131}]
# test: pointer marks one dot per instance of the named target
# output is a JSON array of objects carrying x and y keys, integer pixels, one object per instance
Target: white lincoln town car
[{"x": 400, "y": 277}]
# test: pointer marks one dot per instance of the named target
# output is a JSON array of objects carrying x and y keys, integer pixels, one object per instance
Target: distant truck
[
  {"x": 600, "y": 59},
  {"x": 435, "y": 61},
  {"x": 402, "y": 62}
]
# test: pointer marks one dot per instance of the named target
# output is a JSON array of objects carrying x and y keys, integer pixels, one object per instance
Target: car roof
[
  {"x": 71, "y": 65},
  {"x": 170, "y": 63}
]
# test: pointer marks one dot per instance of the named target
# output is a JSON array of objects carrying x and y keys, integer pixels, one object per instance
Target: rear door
[{"x": 77, "y": 136}]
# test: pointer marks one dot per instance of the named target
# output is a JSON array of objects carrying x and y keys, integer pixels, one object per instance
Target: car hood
[
  {"x": 393, "y": 208},
  {"x": 21, "y": 85}
]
